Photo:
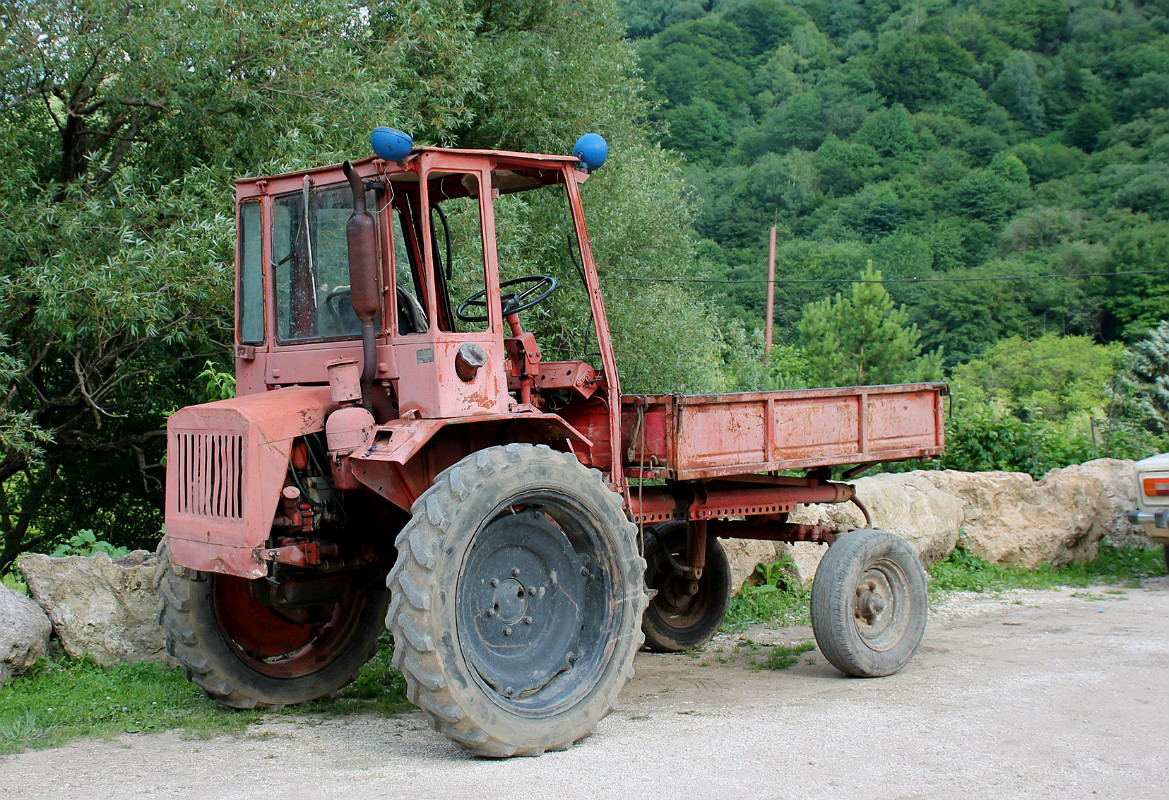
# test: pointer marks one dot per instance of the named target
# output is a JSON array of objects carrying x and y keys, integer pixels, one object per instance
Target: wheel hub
[
  {"x": 510, "y": 601},
  {"x": 521, "y": 593},
  {"x": 879, "y": 619}
]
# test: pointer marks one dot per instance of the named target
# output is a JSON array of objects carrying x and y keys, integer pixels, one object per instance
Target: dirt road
[{"x": 1031, "y": 695}]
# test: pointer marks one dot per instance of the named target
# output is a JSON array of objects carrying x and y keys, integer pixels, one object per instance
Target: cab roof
[{"x": 507, "y": 158}]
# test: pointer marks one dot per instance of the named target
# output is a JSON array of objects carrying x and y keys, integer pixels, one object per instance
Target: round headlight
[
  {"x": 391, "y": 144},
  {"x": 592, "y": 150}
]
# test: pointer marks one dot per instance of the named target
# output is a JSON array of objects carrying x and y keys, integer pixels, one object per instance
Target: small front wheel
[
  {"x": 684, "y": 614},
  {"x": 869, "y": 603}
]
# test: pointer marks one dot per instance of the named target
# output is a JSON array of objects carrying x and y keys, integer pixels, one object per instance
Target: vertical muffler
[{"x": 363, "y": 285}]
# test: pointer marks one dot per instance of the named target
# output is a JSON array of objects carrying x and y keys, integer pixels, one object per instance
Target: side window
[
  {"x": 311, "y": 263},
  {"x": 563, "y": 325},
  {"x": 250, "y": 294},
  {"x": 408, "y": 294},
  {"x": 457, "y": 233}
]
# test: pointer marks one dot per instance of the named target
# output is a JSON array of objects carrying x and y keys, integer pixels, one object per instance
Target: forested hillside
[{"x": 943, "y": 141}]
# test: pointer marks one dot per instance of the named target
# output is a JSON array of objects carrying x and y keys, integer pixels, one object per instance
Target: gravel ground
[{"x": 1055, "y": 694}]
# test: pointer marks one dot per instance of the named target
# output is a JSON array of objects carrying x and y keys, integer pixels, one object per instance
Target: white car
[{"x": 1153, "y": 498}]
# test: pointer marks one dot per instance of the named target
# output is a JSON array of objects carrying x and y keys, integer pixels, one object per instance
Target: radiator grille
[{"x": 210, "y": 474}]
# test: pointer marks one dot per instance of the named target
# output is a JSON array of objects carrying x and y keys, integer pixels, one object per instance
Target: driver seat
[{"x": 411, "y": 316}]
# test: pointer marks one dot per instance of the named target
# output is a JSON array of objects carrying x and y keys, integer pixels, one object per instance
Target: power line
[{"x": 1051, "y": 276}]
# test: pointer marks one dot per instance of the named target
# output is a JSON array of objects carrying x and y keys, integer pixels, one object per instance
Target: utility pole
[{"x": 770, "y": 296}]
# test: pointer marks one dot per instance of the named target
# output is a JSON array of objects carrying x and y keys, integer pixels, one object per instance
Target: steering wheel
[
  {"x": 336, "y": 304},
  {"x": 511, "y": 303}
]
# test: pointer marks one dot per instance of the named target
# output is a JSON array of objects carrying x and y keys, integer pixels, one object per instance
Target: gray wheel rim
[
  {"x": 880, "y": 605},
  {"x": 564, "y": 586}
]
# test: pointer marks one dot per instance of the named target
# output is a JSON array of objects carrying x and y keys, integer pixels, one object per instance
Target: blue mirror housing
[
  {"x": 592, "y": 150},
  {"x": 391, "y": 144}
]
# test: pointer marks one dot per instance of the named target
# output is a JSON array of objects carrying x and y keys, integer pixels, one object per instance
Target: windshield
[{"x": 311, "y": 263}]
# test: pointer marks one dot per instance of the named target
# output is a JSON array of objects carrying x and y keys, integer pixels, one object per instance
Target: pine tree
[
  {"x": 864, "y": 339},
  {"x": 1145, "y": 380}
]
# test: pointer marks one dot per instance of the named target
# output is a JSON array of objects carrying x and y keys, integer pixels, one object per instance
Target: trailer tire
[
  {"x": 199, "y": 639},
  {"x": 526, "y": 543},
  {"x": 869, "y": 603},
  {"x": 676, "y": 621}
]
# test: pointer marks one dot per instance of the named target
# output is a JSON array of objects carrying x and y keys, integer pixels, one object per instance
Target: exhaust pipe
[{"x": 363, "y": 289}]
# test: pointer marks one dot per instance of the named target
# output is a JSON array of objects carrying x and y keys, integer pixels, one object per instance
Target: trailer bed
[{"x": 696, "y": 437}]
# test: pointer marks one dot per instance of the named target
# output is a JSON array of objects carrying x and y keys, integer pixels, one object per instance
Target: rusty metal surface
[
  {"x": 226, "y": 463},
  {"x": 391, "y": 468},
  {"x": 772, "y": 530},
  {"x": 710, "y": 501},
  {"x": 705, "y": 436}
]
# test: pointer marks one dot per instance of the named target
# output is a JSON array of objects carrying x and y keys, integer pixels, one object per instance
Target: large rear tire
[
  {"x": 244, "y": 654},
  {"x": 683, "y": 614},
  {"x": 869, "y": 603},
  {"x": 517, "y": 598}
]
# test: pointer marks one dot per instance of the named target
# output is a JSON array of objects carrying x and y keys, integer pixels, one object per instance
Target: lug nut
[
  {"x": 507, "y": 630},
  {"x": 491, "y": 612},
  {"x": 527, "y": 620},
  {"x": 515, "y": 572},
  {"x": 495, "y": 581}
]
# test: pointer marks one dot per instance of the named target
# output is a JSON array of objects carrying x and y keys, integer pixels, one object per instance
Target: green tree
[
  {"x": 1144, "y": 381},
  {"x": 908, "y": 73},
  {"x": 892, "y": 132},
  {"x": 1053, "y": 376},
  {"x": 1145, "y": 93},
  {"x": 1085, "y": 126},
  {"x": 985, "y": 195},
  {"x": 1136, "y": 303},
  {"x": 700, "y": 129},
  {"x": 124, "y": 125},
  {"x": 1017, "y": 89},
  {"x": 864, "y": 339}
]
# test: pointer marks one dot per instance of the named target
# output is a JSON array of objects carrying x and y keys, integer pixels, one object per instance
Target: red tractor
[{"x": 403, "y": 453}]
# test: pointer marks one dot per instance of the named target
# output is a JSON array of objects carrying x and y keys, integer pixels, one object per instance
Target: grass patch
[
  {"x": 774, "y": 600},
  {"x": 57, "y": 701},
  {"x": 965, "y": 572},
  {"x": 379, "y": 689},
  {"x": 782, "y": 656}
]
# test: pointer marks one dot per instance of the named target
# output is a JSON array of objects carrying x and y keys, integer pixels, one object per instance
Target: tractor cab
[{"x": 455, "y": 253}]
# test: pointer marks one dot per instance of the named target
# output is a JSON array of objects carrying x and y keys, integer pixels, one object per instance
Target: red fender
[{"x": 400, "y": 466}]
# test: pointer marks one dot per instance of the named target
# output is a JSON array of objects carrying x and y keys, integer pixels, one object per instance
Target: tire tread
[{"x": 413, "y": 577}]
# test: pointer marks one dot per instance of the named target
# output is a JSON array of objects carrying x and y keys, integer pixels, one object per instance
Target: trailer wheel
[
  {"x": 683, "y": 615},
  {"x": 516, "y": 599},
  {"x": 244, "y": 654},
  {"x": 869, "y": 603}
]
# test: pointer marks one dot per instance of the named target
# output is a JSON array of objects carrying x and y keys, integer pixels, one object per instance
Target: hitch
[{"x": 297, "y": 553}]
